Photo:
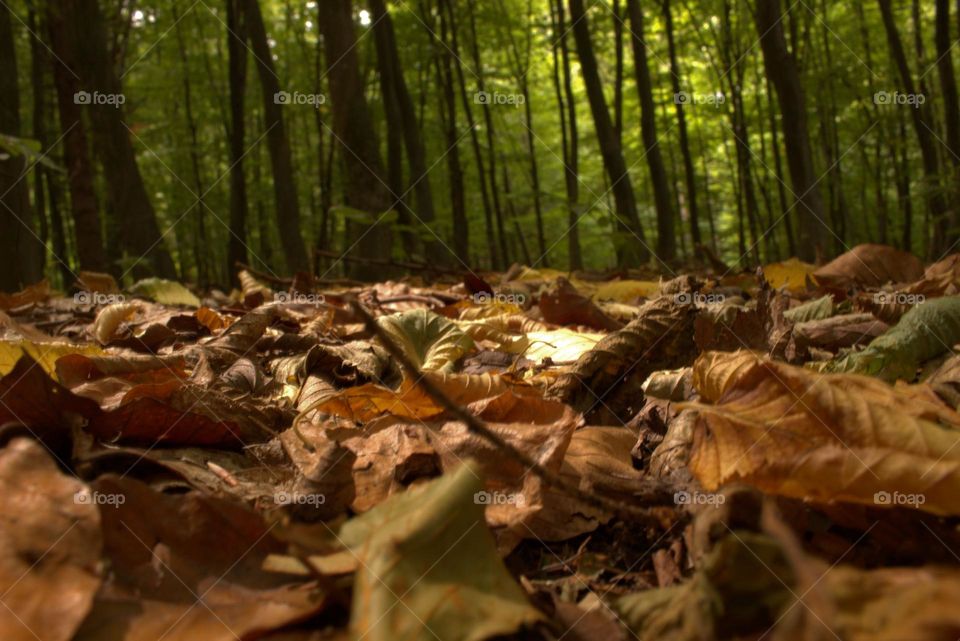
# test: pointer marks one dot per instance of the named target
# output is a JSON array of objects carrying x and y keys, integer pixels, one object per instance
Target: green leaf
[
  {"x": 430, "y": 341},
  {"x": 165, "y": 292},
  {"x": 29, "y": 149},
  {"x": 926, "y": 331},
  {"x": 428, "y": 568},
  {"x": 817, "y": 309}
]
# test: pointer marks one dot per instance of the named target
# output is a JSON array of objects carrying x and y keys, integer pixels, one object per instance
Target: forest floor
[{"x": 530, "y": 454}]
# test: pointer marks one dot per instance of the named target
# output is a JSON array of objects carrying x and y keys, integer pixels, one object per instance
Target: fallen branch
[{"x": 479, "y": 427}]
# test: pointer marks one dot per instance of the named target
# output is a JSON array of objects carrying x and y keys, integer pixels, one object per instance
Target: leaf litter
[{"x": 528, "y": 455}]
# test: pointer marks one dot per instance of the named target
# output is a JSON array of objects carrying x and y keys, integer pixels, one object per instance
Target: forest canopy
[{"x": 178, "y": 139}]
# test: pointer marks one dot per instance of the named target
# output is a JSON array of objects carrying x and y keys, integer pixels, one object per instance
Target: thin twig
[{"x": 479, "y": 427}]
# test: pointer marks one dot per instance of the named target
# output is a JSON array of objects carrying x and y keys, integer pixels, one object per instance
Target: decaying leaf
[
  {"x": 51, "y": 542},
  {"x": 427, "y": 567},
  {"x": 821, "y": 437},
  {"x": 869, "y": 265},
  {"x": 430, "y": 341}
]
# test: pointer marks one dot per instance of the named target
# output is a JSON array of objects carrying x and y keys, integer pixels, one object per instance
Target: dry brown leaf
[
  {"x": 852, "y": 438},
  {"x": 869, "y": 265},
  {"x": 51, "y": 543},
  {"x": 28, "y": 295},
  {"x": 110, "y": 318}
]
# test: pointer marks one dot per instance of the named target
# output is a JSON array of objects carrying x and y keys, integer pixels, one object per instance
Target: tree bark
[
  {"x": 19, "y": 243},
  {"x": 237, "y": 79},
  {"x": 139, "y": 230},
  {"x": 688, "y": 169},
  {"x": 666, "y": 235},
  {"x": 936, "y": 203},
  {"x": 360, "y": 150},
  {"x": 278, "y": 142},
  {"x": 781, "y": 68},
  {"x": 568, "y": 133},
  {"x": 630, "y": 253}
]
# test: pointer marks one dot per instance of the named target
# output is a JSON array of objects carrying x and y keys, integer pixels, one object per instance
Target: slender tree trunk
[
  {"x": 689, "y": 171},
  {"x": 444, "y": 68},
  {"x": 490, "y": 136},
  {"x": 17, "y": 236},
  {"x": 360, "y": 149},
  {"x": 666, "y": 235},
  {"x": 782, "y": 71},
  {"x": 630, "y": 252},
  {"x": 474, "y": 136},
  {"x": 201, "y": 242},
  {"x": 568, "y": 132},
  {"x": 936, "y": 204},
  {"x": 951, "y": 104},
  {"x": 410, "y": 126},
  {"x": 84, "y": 207},
  {"x": 237, "y": 74},
  {"x": 278, "y": 142}
]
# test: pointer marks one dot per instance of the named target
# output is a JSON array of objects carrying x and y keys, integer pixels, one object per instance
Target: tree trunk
[
  {"x": 782, "y": 70},
  {"x": 410, "y": 126},
  {"x": 201, "y": 244},
  {"x": 19, "y": 243},
  {"x": 688, "y": 168},
  {"x": 360, "y": 150},
  {"x": 936, "y": 203},
  {"x": 630, "y": 252},
  {"x": 444, "y": 66},
  {"x": 84, "y": 208},
  {"x": 666, "y": 235},
  {"x": 278, "y": 142},
  {"x": 951, "y": 104},
  {"x": 237, "y": 74},
  {"x": 490, "y": 131},
  {"x": 474, "y": 136},
  {"x": 127, "y": 194},
  {"x": 568, "y": 133}
]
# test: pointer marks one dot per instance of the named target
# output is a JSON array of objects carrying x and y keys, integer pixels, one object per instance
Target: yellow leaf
[
  {"x": 626, "y": 291},
  {"x": 791, "y": 274},
  {"x": 820, "y": 437},
  {"x": 45, "y": 354}
]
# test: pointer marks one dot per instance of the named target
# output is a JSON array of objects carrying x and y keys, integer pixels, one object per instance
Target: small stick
[{"x": 479, "y": 427}]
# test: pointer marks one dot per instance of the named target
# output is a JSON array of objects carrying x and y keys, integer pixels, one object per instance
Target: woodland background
[{"x": 152, "y": 138}]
